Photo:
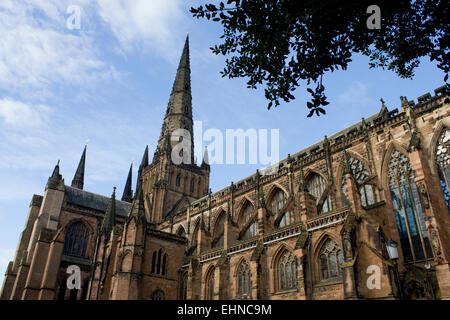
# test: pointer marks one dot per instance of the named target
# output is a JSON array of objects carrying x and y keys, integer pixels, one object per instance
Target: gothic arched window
[
  {"x": 154, "y": 262},
  {"x": 219, "y": 231},
  {"x": 330, "y": 260},
  {"x": 184, "y": 286},
  {"x": 361, "y": 174},
  {"x": 209, "y": 288},
  {"x": 287, "y": 271},
  {"x": 158, "y": 265},
  {"x": 246, "y": 215},
  {"x": 76, "y": 240},
  {"x": 277, "y": 203},
  {"x": 163, "y": 270},
  {"x": 177, "y": 181},
  {"x": 316, "y": 187},
  {"x": 191, "y": 187},
  {"x": 158, "y": 294},
  {"x": 443, "y": 164},
  {"x": 244, "y": 282},
  {"x": 407, "y": 209}
]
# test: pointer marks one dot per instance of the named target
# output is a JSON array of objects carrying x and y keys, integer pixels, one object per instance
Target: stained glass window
[
  {"x": 76, "y": 240},
  {"x": 407, "y": 209},
  {"x": 331, "y": 259},
  {"x": 287, "y": 270},
  {"x": 361, "y": 174},
  {"x": 443, "y": 164},
  {"x": 316, "y": 187},
  {"x": 244, "y": 282},
  {"x": 277, "y": 203}
]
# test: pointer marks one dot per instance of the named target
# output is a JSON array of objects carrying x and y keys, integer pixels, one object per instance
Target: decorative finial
[
  {"x": 87, "y": 141},
  {"x": 382, "y": 102}
]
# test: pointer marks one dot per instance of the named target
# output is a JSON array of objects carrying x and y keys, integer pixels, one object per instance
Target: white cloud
[
  {"x": 142, "y": 23},
  {"x": 20, "y": 115},
  {"x": 37, "y": 50}
]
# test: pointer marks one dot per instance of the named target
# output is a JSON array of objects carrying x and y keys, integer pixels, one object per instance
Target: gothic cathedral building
[{"x": 316, "y": 229}]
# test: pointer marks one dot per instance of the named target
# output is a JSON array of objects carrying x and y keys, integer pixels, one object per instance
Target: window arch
[
  {"x": 154, "y": 262},
  {"x": 177, "y": 181},
  {"x": 407, "y": 209},
  {"x": 277, "y": 203},
  {"x": 209, "y": 287},
  {"x": 159, "y": 262},
  {"x": 361, "y": 174},
  {"x": 76, "y": 240},
  {"x": 191, "y": 186},
  {"x": 243, "y": 279},
  {"x": 182, "y": 293},
  {"x": 330, "y": 260},
  {"x": 163, "y": 269},
  {"x": 287, "y": 271},
  {"x": 158, "y": 294},
  {"x": 246, "y": 215},
  {"x": 443, "y": 164},
  {"x": 181, "y": 232},
  {"x": 316, "y": 187},
  {"x": 219, "y": 231}
]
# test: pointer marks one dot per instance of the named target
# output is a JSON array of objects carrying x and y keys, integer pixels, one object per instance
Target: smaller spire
[
  {"x": 55, "y": 173},
  {"x": 127, "y": 191},
  {"x": 383, "y": 109},
  {"x": 326, "y": 142},
  {"x": 302, "y": 187},
  {"x": 144, "y": 163},
  {"x": 110, "y": 216},
  {"x": 137, "y": 208},
  {"x": 205, "y": 162},
  {"x": 78, "y": 179},
  {"x": 347, "y": 168}
]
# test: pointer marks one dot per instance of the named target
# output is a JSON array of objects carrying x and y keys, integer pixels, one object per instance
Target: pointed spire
[
  {"x": 326, "y": 142},
  {"x": 179, "y": 109},
  {"x": 383, "y": 109},
  {"x": 55, "y": 173},
  {"x": 347, "y": 168},
  {"x": 137, "y": 208},
  {"x": 110, "y": 216},
  {"x": 205, "y": 161},
  {"x": 78, "y": 179},
  {"x": 144, "y": 163},
  {"x": 302, "y": 186},
  {"x": 127, "y": 191}
]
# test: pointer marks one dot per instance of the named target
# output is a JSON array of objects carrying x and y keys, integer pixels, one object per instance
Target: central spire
[{"x": 179, "y": 109}]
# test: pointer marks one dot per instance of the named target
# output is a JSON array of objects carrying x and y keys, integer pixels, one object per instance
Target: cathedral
[{"x": 321, "y": 227}]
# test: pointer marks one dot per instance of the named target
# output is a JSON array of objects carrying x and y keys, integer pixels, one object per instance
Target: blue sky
[{"x": 110, "y": 81}]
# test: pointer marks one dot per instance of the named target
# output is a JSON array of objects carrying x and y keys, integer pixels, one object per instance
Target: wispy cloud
[
  {"x": 143, "y": 24},
  {"x": 37, "y": 50},
  {"x": 20, "y": 115}
]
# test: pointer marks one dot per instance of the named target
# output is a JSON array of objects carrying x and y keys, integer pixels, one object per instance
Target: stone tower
[{"x": 168, "y": 185}]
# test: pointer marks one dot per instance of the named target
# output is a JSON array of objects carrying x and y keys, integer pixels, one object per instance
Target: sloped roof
[{"x": 95, "y": 201}]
